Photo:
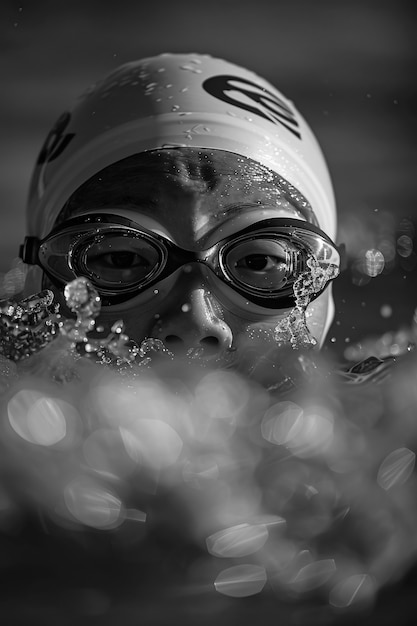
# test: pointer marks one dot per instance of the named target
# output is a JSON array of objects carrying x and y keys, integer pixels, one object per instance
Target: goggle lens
[
  {"x": 263, "y": 264},
  {"x": 115, "y": 261}
]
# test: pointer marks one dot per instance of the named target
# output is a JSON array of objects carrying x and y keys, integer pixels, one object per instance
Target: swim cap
[{"x": 178, "y": 100}]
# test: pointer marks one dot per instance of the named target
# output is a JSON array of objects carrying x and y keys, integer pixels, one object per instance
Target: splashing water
[
  {"x": 28, "y": 326},
  {"x": 83, "y": 300},
  {"x": 293, "y": 328},
  {"x": 31, "y": 325}
]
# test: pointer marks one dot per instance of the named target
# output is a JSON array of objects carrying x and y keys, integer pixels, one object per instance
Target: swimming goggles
[{"x": 122, "y": 259}]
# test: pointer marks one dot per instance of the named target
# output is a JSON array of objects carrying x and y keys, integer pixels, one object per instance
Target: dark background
[{"x": 348, "y": 65}]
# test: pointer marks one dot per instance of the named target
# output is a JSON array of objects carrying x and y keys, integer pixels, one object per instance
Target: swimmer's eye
[
  {"x": 261, "y": 264},
  {"x": 120, "y": 260}
]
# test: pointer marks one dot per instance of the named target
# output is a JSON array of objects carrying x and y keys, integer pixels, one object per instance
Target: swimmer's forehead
[{"x": 187, "y": 192}]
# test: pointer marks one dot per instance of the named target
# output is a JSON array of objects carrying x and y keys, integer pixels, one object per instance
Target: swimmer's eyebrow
[
  {"x": 238, "y": 208},
  {"x": 230, "y": 211},
  {"x": 225, "y": 216},
  {"x": 214, "y": 220},
  {"x": 211, "y": 221}
]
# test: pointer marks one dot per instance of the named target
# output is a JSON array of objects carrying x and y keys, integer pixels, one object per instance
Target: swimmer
[{"x": 195, "y": 198}]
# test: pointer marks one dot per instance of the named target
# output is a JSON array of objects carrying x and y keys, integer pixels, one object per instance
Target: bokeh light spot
[
  {"x": 93, "y": 505},
  {"x": 241, "y": 580},
  {"x": 313, "y": 575},
  {"x": 374, "y": 262},
  {"x": 237, "y": 541},
  {"x": 304, "y": 432},
  {"x": 282, "y": 422},
  {"x": 316, "y": 434},
  {"x": 121, "y": 406},
  {"x": 356, "y": 589},
  {"x": 105, "y": 451},
  {"x": 18, "y": 409},
  {"x": 46, "y": 421},
  {"x": 404, "y": 246},
  {"x": 386, "y": 310},
  {"x": 40, "y": 419},
  {"x": 152, "y": 442},
  {"x": 201, "y": 470},
  {"x": 221, "y": 395},
  {"x": 396, "y": 468}
]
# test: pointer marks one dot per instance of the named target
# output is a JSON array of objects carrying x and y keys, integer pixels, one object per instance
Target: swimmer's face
[{"x": 195, "y": 198}]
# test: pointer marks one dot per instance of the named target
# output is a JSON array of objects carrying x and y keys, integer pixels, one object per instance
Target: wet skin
[{"x": 195, "y": 198}]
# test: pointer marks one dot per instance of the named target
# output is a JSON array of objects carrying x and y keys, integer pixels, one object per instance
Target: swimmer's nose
[{"x": 195, "y": 324}]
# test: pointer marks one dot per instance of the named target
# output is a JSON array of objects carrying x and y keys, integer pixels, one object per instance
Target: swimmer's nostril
[
  {"x": 173, "y": 341},
  {"x": 209, "y": 342}
]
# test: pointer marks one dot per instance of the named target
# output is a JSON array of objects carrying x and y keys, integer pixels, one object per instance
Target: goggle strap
[{"x": 29, "y": 250}]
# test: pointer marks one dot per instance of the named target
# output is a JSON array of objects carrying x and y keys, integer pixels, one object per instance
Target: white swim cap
[{"x": 178, "y": 100}]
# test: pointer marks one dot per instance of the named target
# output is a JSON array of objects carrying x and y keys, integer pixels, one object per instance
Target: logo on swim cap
[{"x": 237, "y": 91}]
